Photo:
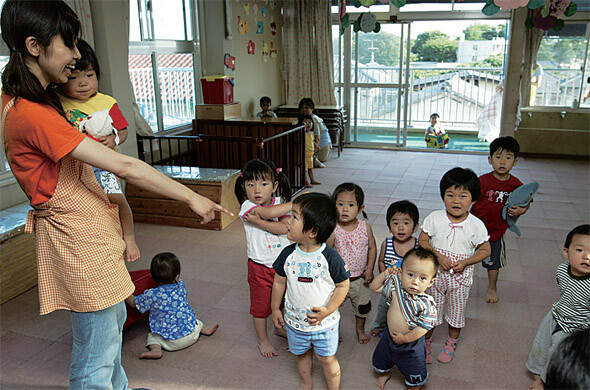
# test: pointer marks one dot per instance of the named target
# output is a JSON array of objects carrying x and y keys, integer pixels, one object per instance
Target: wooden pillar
[{"x": 511, "y": 94}]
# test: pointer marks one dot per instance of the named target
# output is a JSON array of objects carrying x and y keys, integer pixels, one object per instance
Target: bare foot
[
  {"x": 362, "y": 336},
  {"x": 537, "y": 384},
  {"x": 209, "y": 330},
  {"x": 155, "y": 354},
  {"x": 308, "y": 185},
  {"x": 492, "y": 296},
  {"x": 131, "y": 250},
  {"x": 281, "y": 332},
  {"x": 315, "y": 182},
  {"x": 382, "y": 380},
  {"x": 375, "y": 332},
  {"x": 267, "y": 350}
]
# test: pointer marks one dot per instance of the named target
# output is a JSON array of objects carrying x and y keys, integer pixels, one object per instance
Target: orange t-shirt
[{"x": 36, "y": 139}]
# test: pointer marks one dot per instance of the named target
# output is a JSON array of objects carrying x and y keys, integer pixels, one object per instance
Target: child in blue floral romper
[{"x": 173, "y": 323}]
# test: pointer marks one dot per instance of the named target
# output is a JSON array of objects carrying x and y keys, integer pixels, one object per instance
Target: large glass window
[{"x": 163, "y": 72}]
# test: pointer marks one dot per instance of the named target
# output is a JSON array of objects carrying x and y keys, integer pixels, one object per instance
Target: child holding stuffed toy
[
  {"x": 496, "y": 186},
  {"x": 99, "y": 117}
]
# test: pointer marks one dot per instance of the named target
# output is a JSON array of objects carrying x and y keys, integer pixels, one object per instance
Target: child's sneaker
[
  {"x": 446, "y": 356},
  {"x": 428, "y": 354}
]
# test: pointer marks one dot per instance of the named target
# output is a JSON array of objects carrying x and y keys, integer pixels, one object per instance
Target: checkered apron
[{"x": 79, "y": 242}]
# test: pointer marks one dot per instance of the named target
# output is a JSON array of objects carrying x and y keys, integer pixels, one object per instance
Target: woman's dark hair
[
  {"x": 43, "y": 20},
  {"x": 307, "y": 102},
  {"x": 88, "y": 58},
  {"x": 351, "y": 187},
  {"x": 165, "y": 267},
  {"x": 402, "y": 207},
  {"x": 319, "y": 214},
  {"x": 262, "y": 169},
  {"x": 460, "y": 178}
]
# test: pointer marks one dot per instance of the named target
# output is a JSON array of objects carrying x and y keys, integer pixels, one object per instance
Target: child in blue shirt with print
[
  {"x": 173, "y": 322},
  {"x": 316, "y": 280}
]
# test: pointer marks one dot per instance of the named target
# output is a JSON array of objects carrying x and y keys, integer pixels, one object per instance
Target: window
[
  {"x": 558, "y": 77},
  {"x": 162, "y": 65}
]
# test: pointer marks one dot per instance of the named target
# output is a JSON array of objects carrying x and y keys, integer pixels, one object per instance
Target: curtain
[
  {"x": 307, "y": 66},
  {"x": 533, "y": 37},
  {"x": 82, "y": 9}
]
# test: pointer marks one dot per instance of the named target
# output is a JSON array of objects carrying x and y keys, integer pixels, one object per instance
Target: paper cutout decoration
[
  {"x": 250, "y": 46},
  {"x": 242, "y": 25},
  {"x": 247, "y": 9},
  {"x": 273, "y": 51},
  {"x": 558, "y": 7},
  {"x": 271, "y": 4},
  {"x": 255, "y": 8},
  {"x": 265, "y": 52},
  {"x": 264, "y": 12},
  {"x": 259, "y": 27},
  {"x": 510, "y": 4},
  {"x": 273, "y": 26},
  {"x": 229, "y": 61}
]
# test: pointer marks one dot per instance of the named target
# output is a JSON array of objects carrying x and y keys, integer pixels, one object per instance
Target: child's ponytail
[{"x": 285, "y": 190}]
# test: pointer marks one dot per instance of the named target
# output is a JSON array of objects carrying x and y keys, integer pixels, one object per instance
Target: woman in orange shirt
[{"x": 78, "y": 233}]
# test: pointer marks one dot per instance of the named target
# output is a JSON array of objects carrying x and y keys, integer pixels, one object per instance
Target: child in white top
[
  {"x": 316, "y": 282},
  {"x": 435, "y": 135},
  {"x": 460, "y": 241},
  {"x": 355, "y": 242},
  {"x": 255, "y": 187}
]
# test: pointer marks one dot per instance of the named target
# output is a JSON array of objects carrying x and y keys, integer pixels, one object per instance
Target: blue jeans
[{"x": 96, "y": 350}]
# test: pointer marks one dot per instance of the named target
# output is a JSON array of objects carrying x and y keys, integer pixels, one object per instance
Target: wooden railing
[{"x": 285, "y": 149}]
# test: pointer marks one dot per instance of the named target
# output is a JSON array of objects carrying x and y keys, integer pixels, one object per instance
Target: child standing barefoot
[
  {"x": 402, "y": 218},
  {"x": 496, "y": 186},
  {"x": 80, "y": 99},
  {"x": 255, "y": 188},
  {"x": 173, "y": 322},
  {"x": 316, "y": 280},
  {"x": 354, "y": 241},
  {"x": 460, "y": 240},
  {"x": 310, "y": 148}
]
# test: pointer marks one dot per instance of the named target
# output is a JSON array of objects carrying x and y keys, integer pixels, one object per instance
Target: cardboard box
[{"x": 219, "y": 111}]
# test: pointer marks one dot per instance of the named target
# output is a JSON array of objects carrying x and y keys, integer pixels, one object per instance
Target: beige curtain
[
  {"x": 532, "y": 43},
  {"x": 307, "y": 65},
  {"x": 82, "y": 9}
]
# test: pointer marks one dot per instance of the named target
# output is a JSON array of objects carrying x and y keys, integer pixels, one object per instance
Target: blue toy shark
[{"x": 521, "y": 196}]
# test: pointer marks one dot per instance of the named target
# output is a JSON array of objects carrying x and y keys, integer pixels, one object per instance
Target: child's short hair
[
  {"x": 319, "y": 214},
  {"x": 507, "y": 143},
  {"x": 304, "y": 117},
  {"x": 265, "y": 99},
  {"x": 258, "y": 169},
  {"x": 582, "y": 229},
  {"x": 306, "y": 102},
  {"x": 351, "y": 187},
  {"x": 402, "y": 207},
  {"x": 461, "y": 178},
  {"x": 422, "y": 254},
  {"x": 87, "y": 59},
  {"x": 434, "y": 114},
  {"x": 165, "y": 267},
  {"x": 569, "y": 362}
]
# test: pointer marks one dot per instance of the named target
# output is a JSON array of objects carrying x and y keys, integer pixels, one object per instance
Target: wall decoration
[
  {"x": 273, "y": 50},
  {"x": 264, "y": 12},
  {"x": 259, "y": 27},
  {"x": 229, "y": 61},
  {"x": 250, "y": 46},
  {"x": 366, "y": 22},
  {"x": 247, "y": 9},
  {"x": 242, "y": 25},
  {"x": 273, "y": 26},
  {"x": 228, "y": 18},
  {"x": 265, "y": 51},
  {"x": 271, "y": 4},
  {"x": 545, "y": 15},
  {"x": 255, "y": 8}
]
